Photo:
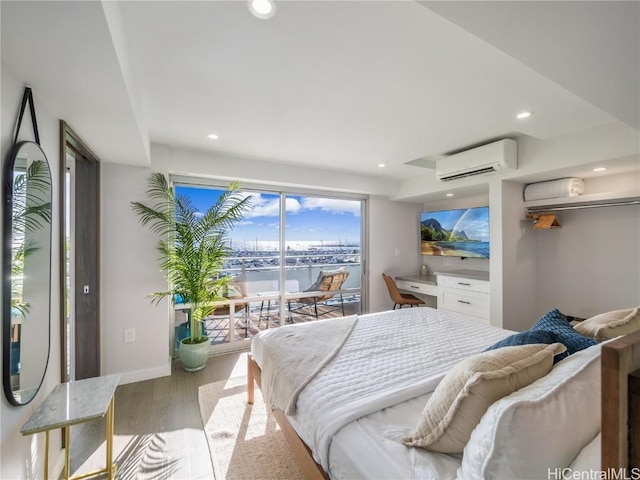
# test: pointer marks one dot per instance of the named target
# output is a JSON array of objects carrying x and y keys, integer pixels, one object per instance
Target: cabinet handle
[
  {"x": 465, "y": 302},
  {"x": 465, "y": 284},
  {"x": 413, "y": 286}
]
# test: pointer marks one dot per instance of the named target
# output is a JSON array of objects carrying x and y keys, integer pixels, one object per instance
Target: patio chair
[
  {"x": 328, "y": 283},
  {"x": 236, "y": 290},
  {"x": 400, "y": 298}
]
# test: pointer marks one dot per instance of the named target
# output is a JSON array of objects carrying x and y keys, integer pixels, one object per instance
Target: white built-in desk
[
  {"x": 424, "y": 284},
  {"x": 462, "y": 291},
  {"x": 72, "y": 403}
]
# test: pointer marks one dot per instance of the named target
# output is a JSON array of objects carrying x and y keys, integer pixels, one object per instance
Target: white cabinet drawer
[
  {"x": 470, "y": 303},
  {"x": 469, "y": 284},
  {"x": 417, "y": 287}
]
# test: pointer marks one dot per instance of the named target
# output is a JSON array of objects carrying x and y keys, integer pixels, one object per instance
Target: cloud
[
  {"x": 269, "y": 206},
  {"x": 332, "y": 205},
  {"x": 262, "y": 206},
  {"x": 292, "y": 205}
]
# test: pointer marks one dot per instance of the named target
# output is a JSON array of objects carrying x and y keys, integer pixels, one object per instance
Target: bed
[{"x": 369, "y": 378}]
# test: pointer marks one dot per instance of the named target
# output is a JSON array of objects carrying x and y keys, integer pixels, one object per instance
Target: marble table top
[{"x": 71, "y": 403}]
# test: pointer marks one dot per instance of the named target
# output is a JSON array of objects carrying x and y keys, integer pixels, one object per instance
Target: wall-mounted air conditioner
[{"x": 498, "y": 156}]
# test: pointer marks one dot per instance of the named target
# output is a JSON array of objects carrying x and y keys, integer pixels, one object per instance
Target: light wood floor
[{"x": 158, "y": 429}]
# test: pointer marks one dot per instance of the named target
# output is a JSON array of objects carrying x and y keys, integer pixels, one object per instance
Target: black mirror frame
[{"x": 7, "y": 212}]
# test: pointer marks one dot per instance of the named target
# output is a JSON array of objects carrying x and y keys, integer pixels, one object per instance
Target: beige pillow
[
  {"x": 610, "y": 324},
  {"x": 469, "y": 389}
]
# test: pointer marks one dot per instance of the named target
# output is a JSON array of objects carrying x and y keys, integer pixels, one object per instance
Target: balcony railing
[{"x": 267, "y": 304}]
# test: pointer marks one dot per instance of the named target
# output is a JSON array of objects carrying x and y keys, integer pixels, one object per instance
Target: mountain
[
  {"x": 432, "y": 231},
  {"x": 434, "y": 224}
]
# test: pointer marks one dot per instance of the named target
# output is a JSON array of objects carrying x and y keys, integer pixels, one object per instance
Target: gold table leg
[
  {"x": 110, "y": 427},
  {"x": 110, "y": 469},
  {"x": 46, "y": 455}
]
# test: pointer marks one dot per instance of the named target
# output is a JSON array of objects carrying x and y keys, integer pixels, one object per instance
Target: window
[{"x": 294, "y": 258}]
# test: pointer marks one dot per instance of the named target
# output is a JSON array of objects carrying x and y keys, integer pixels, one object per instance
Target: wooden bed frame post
[
  {"x": 620, "y": 383},
  {"x": 634, "y": 413}
]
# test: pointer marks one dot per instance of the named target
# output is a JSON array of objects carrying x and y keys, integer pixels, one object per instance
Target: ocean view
[{"x": 302, "y": 266}]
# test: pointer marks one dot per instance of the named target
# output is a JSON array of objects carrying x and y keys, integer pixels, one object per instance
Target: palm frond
[
  {"x": 32, "y": 198},
  {"x": 192, "y": 247}
]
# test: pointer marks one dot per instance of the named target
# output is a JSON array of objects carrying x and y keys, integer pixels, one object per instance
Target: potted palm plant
[{"x": 193, "y": 248}]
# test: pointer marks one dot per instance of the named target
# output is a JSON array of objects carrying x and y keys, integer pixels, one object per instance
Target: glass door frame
[{"x": 283, "y": 192}]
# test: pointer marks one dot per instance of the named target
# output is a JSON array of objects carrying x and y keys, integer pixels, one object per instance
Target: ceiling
[{"x": 339, "y": 85}]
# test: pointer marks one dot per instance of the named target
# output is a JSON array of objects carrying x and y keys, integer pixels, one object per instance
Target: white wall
[
  {"x": 530, "y": 269},
  {"x": 599, "y": 144},
  {"x": 129, "y": 267},
  {"x": 392, "y": 226},
  {"x": 592, "y": 263},
  {"x": 514, "y": 284},
  {"x": 129, "y": 272},
  {"x": 264, "y": 172},
  {"x": 22, "y": 457}
]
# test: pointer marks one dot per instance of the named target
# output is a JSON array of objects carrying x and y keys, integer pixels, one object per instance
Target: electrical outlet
[
  {"x": 129, "y": 335},
  {"x": 447, "y": 262},
  {"x": 397, "y": 252}
]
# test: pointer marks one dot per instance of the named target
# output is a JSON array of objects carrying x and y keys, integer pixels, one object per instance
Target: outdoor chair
[
  {"x": 236, "y": 290},
  {"x": 400, "y": 298},
  {"x": 328, "y": 284}
]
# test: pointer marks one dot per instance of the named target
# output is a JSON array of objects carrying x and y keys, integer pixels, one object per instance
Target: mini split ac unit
[{"x": 498, "y": 156}]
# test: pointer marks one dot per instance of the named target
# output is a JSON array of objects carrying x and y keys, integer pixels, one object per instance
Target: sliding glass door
[
  {"x": 323, "y": 257},
  {"x": 294, "y": 258}
]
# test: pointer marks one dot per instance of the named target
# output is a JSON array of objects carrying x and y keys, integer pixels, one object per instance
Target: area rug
[{"x": 245, "y": 442}]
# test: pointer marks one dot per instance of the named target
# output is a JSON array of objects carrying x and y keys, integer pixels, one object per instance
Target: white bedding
[
  {"x": 390, "y": 357},
  {"x": 376, "y": 438}
]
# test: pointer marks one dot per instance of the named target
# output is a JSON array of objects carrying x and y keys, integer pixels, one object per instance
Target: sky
[
  {"x": 310, "y": 220},
  {"x": 473, "y": 221}
]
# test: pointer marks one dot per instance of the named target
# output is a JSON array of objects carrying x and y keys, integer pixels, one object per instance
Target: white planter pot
[{"x": 194, "y": 355}]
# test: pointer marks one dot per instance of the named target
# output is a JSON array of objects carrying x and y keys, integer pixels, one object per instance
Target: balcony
[{"x": 257, "y": 301}]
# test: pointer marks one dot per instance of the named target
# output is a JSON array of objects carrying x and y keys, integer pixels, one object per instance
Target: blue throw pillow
[
  {"x": 530, "y": 337},
  {"x": 555, "y": 323}
]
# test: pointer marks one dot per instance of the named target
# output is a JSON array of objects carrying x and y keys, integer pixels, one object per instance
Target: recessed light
[
  {"x": 381, "y": 165},
  {"x": 263, "y": 9},
  {"x": 212, "y": 136},
  {"x": 449, "y": 194},
  {"x": 599, "y": 169},
  {"x": 522, "y": 115}
]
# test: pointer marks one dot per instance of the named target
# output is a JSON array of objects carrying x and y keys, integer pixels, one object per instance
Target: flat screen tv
[{"x": 455, "y": 233}]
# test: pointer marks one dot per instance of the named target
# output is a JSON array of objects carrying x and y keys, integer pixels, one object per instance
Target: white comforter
[{"x": 389, "y": 357}]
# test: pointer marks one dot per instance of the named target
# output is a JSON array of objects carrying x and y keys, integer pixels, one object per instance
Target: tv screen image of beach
[{"x": 455, "y": 233}]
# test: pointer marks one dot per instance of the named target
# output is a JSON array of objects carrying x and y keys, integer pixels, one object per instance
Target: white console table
[{"x": 460, "y": 291}]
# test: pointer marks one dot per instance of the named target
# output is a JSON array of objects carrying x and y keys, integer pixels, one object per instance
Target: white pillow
[
  {"x": 469, "y": 388},
  {"x": 610, "y": 325},
  {"x": 540, "y": 427},
  {"x": 589, "y": 458}
]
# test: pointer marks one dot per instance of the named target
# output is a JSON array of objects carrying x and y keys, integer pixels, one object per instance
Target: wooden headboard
[{"x": 621, "y": 403}]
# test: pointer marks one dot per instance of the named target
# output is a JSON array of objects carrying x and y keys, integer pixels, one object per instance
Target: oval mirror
[{"x": 26, "y": 269}]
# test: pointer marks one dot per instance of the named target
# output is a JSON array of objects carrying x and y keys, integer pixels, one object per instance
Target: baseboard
[{"x": 148, "y": 374}]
